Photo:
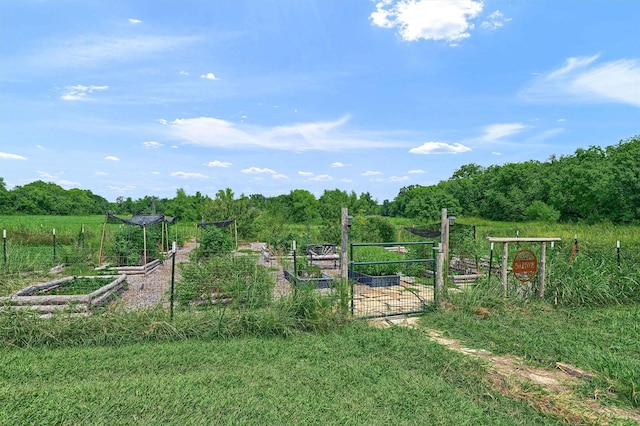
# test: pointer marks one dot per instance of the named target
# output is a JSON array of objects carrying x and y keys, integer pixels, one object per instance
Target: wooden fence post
[
  {"x": 344, "y": 262},
  {"x": 543, "y": 264}
]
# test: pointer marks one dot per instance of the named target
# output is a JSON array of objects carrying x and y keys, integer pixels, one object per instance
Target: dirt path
[
  {"x": 552, "y": 390},
  {"x": 152, "y": 289}
]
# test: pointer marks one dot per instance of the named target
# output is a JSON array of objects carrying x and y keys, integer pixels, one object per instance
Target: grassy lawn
[
  {"x": 355, "y": 375},
  {"x": 604, "y": 341}
]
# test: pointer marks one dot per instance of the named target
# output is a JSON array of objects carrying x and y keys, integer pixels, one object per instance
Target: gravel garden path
[{"x": 153, "y": 289}]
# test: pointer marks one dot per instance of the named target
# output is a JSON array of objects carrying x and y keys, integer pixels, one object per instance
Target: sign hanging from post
[{"x": 525, "y": 265}]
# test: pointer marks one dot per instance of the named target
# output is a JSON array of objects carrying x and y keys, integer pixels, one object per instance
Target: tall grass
[
  {"x": 592, "y": 279},
  {"x": 595, "y": 275}
]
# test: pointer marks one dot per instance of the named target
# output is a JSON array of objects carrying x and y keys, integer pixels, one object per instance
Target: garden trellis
[
  {"x": 142, "y": 221},
  {"x": 222, "y": 224}
]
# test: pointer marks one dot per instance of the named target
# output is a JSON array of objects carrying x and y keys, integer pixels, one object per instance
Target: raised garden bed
[
  {"x": 65, "y": 294},
  {"x": 148, "y": 268},
  {"x": 325, "y": 281},
  {"x": 375, "y": 280}
]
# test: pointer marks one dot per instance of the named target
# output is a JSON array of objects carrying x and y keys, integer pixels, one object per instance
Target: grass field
[{"x": 356, "y": 375}]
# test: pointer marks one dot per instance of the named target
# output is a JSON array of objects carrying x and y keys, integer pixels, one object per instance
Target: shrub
[
  {"x": 541, "y": 212},
  {"x": 371, "y": 229},
  {"x": 215, "y": 240}
]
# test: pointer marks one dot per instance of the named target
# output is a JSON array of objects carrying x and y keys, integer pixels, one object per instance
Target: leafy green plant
[
  {"x": 214, "y": 240},
  {"x": 128, "y": 244},
  {"x": 81, "y": 285},
  {"x": 377, "y": 254}
]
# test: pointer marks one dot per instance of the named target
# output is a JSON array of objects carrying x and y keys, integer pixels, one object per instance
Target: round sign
[{"x": 525, "y": 265}]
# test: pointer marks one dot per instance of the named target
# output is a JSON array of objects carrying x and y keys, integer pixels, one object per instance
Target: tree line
[{"x": 593, "y": 185}]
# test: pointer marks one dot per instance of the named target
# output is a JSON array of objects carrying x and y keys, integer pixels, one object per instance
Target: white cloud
[
  {"x": 322, "y": 178},
  {"x": 111, "y": 158},
  {"x": 280, "y": 176},
  {"x": 209, "y": 76},
  {"x": 8, "y": 156},
  {"x": 101, "y": 173},
  {"x": 151, "y": 145},
  {"x": 496, "y": 153},
  {"x": 416, "y": 171},
  {"x": 69, "y": 183},
  {"x": 430, "y": 148},
  {"x": 134, "y": 21},
  {"x": 46, "y": 175},
  {"x": 258, "y": 170},
  {"x": 126, "y": 188},
  {"x": 301, "y": 173},
  {"x": 371, "y": 173},
  {"x": 561, "y": 120},
  {"x": 346, "y": 180},
  {"x": 448, "y": 20},
  {"x": 182, "y": 72},
  {"x": 495, "y": 20},
  {"x": 217, "y": 163},
  {"x": 80, "y": 92},
  {"x": 321, "y": 135},
  {"x": 337, "y": 164},
  {"x": 187, "y": 175},
  {"x": 90, "y": 51},
  {"x": 498, "y": 131},
  {"x": 398, "y": 178},
  {"x": 582, "y": 79}
]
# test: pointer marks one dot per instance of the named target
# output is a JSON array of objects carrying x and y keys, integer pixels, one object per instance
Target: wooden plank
[
  {"x": 45, "y": 300},
  {"x": 44, "y": 286},
  {"x": 51, "y": 308},
  {"x": 105, "y": 297},
  {"x": 108, "y": 287},
  {"x": 522, "y": 239}
]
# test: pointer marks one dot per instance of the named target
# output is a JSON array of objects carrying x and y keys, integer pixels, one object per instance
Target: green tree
[
  {"x": 331, "y": 203},
  {"x": 304, "y": 206},
  {"x": 427, "y": 202}
]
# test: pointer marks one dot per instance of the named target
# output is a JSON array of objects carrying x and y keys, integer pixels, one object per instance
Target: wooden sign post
[{"x": 525, "y": 264}]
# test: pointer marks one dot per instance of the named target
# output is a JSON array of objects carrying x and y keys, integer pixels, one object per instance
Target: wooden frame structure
[{"x": 505, "y": 256}]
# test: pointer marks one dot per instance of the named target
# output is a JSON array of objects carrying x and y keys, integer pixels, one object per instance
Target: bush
[
  {"x": 541, "y": 212},
  {"x": 215, "y": 240},
  {"x": 371, "y": 229}
]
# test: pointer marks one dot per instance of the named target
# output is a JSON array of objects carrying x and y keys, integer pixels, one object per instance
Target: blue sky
[{"x": 135, "y": 98}]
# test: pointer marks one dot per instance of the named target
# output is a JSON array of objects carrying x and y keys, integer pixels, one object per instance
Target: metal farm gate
[{"x": 412, "y": 289}]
